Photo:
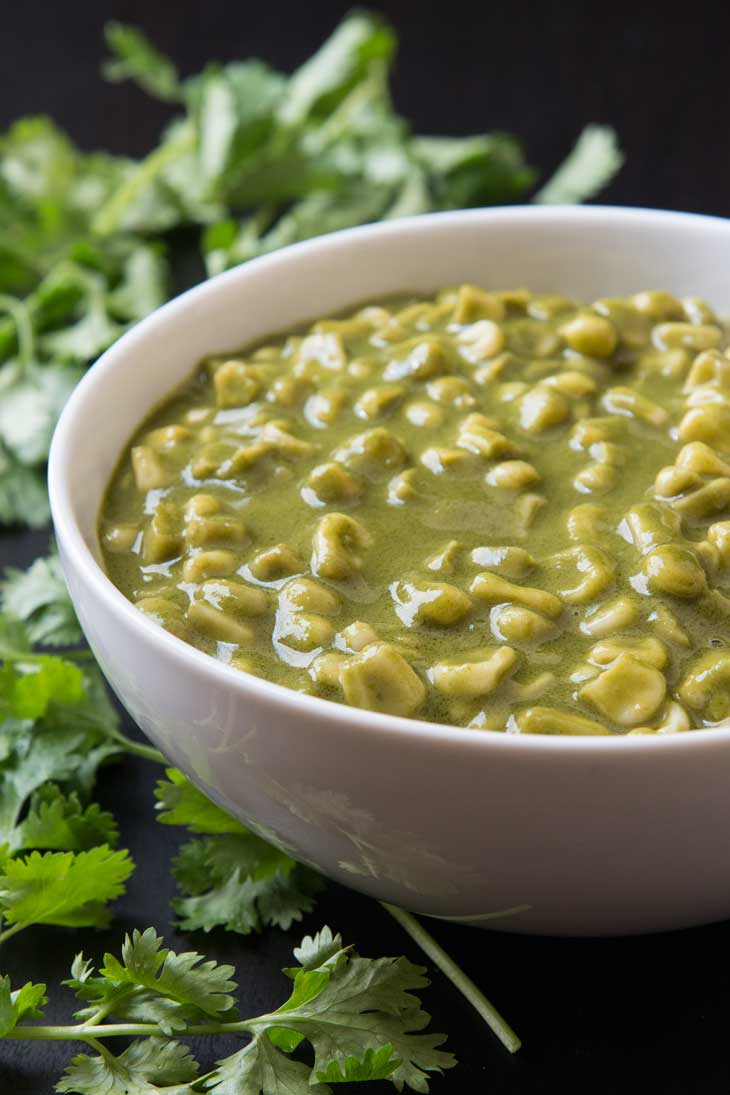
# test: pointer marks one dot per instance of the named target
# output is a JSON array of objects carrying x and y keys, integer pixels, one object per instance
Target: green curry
[{"x": 489, "y": 509}]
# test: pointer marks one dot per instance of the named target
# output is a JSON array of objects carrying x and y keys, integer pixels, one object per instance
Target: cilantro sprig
[
  {"x": 58, "y": 862},
  {"x": 360, "y": 1017}
]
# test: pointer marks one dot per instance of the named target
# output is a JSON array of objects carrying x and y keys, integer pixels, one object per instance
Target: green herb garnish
[{"x": 359, "y": 1016}]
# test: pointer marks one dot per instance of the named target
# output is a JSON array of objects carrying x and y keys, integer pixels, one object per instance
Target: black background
[{"x": 595, "y": 1015}]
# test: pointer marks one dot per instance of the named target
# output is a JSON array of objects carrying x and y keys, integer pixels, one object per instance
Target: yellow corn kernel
[
  {"x": 517, "y": 624},
  {"x": 440, "y": 460},
  {"x": 304, "y": 631},
  {"x": 647, "y": 650},
  {"x": 444, "y": 561},
  {"x": 625, "y": 401},
  {"x": 595, "y": 479},
  {"x": 590, "y": 334},
  {"x": 209, "y": 564},
  {"x": 163, "y": 536},
  {"x": 702, "y": 460},
  {"x": 512, "y": 475},
  {"x": 380, "y": 679},
  {"x": 330, "y": 483},
  {"x": 356, "y": 636},
  {"x": 436, "y": 603},
  {"x": 586, "y": 570},
  {"x": 149, "y": 471},
  {"x": 424, "y": 358},
  {"x": 710, "y": 424},
  {"x": 481, "y": 341},
  {"x": 541, "y": 408},
  {"x": 629, "y": 692},
  {"x": 217, "y": 624},
  {"x": 496, "y": 590},
  {"x": 275, "y": 563},
  {"x": 453, "y": 391},
  {"x": 705, "y": 686},
  {"x": 609, "y": 618},
  {"x": 587, "y": 521},
  {"x": 674, "y": 569},
  {"x": 477, "y": 674},
  {"x": 338, "y": 546},
  {"x": 326, "y": 669},
  {"x": 424, "y": 414},
  {"x": 515, "y": 562},
  {"x": 477, "y": 434},
  {"x": 119, "y": 539},
  {"x": 687, "y": 336},
  {"x": 401, "y": 488},
  {"x": 472, "y": 303},
  {"x": 326, "y": 350},
  {"x": 306, "y": 595},
  {"x": 165, "y": 613},
  {"x": 657, "y": 304},
  {"x": 554, "y": 720},
  {"x": 377, "y": 402}
]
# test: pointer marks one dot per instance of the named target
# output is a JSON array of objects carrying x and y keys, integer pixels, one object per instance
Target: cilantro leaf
[
  {"x": 143, "y": 282},
  {"x": 135, "y": 58},
  {"x": 179, "y": 802},
  {"x": 234, "y": 108},
  {"x": 315, "y": 951},
  {"x": 374, "y": 1065},
  {"x": 217, "y": 858},
  {"x": 66, "y": 888},
  {"x": 151, "y": 985},
  {"x": 244, "y": 905},
  {"x": 57, "y": 726},
  {"x": 146, "y": 1067},
  {"x": 14, "y": 638},
  {"x": 23, "y": 495},
  {"x": 23, "y": 1003},
  {"x": 39, "y": 597},
  {"x": 473, "y": 171},
  {"x": 93, "y": 331},
  {"x": 591, "y": 165},
  {"x": 184, "y": 978},
  {"x": 28, "y": 693},
  {"x": 31, "y": 399},
  {"x": 260, "y": 1069},
  {"x": 58, "y": 821},
  {"x": 360, "y": 41},
  {"x": 363, "y": 1005},
  {"x": 361, "y": 1018},
  {"x": 233, "y": 878}
]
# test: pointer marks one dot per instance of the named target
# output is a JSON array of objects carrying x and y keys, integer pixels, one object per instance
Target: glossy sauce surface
[{"x": 489, "y": 509}]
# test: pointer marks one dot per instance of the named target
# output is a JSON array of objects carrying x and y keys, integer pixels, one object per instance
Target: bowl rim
[{"x": 348, "y": 719}]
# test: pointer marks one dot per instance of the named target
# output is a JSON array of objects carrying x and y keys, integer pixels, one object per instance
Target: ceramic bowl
[{"x": 523, "y": 833}]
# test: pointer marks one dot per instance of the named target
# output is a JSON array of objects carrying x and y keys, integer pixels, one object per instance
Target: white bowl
[{"x": 579, "y": 835}]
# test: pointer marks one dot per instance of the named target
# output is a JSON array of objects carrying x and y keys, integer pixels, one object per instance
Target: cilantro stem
[
  {"x": 109, "y": 217},
  {"x": 18, "y": 312},
  {"x": 84, "y": 1032},
  {"x": 496, "y": 1022},
  {"x": 10, "y": 932},
  {"x": 8, "y": 654},
  {"x": 137, "y": 748}
]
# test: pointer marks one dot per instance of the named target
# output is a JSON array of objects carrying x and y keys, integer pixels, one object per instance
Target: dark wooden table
[{"x": 602, "y": 1016}]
